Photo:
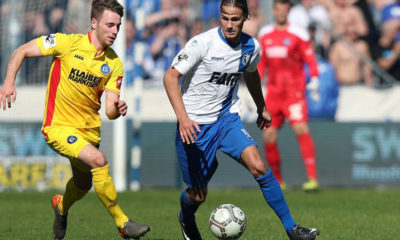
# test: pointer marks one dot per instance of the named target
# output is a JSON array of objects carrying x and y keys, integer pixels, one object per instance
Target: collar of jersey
[
  {"x": 93, "y": 48},
  {"x": 226, "y": 41}
]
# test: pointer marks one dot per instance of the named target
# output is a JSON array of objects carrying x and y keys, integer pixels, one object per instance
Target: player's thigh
[
  {"x": 69, "y": 142},
  {"x": 274, "y": 107},
  {"x": 236, "y": 137},
  {"x": 198, "y": 160}
]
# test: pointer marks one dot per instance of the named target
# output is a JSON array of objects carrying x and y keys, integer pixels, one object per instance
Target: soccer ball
[{"x": 227, "y": 222}]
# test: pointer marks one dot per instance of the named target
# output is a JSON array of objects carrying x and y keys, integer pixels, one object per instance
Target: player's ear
[{"x": 93, "y": 23}]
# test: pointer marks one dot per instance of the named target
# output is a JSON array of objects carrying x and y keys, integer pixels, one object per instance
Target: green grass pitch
[{"x": 353, "y": 214}]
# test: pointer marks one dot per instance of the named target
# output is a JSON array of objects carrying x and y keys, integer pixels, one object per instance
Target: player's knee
[
  {"x": 258, "y": 169},
  {"x": 198, "y": 199},
  {"x": 83, "y": 185},
  {"x": 99, "y": 160}
]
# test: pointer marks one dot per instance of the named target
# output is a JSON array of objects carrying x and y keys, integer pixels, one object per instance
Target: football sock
[
  {"x": 274, "y": 159},
  {"x": 307, "y": 151},
  {"x": 105, "y": 190},
  {"x": 188, "y": 208},
  {"x": 71, "y": 195},
  {"x": 274, "y": 197}
]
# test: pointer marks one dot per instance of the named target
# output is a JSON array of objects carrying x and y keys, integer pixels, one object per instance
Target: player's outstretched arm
[
  {"x": 253, "y": 83},
  {"x": 186, "y": 125},
  {"x": 8, "y": 93},
  {"x": 115, "y": 107}
]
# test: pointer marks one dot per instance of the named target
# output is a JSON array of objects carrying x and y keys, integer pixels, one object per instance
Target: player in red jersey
[{"x": 284, "y": 49}]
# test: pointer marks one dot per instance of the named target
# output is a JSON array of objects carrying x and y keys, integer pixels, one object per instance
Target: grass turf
[{"x": 338, "y": 213}]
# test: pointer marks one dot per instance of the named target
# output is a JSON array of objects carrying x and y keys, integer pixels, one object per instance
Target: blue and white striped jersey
[{"x": 211, "y": 70}]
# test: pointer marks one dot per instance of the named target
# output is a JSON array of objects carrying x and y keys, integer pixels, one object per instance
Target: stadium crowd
[{"x": 359, "y": 38}]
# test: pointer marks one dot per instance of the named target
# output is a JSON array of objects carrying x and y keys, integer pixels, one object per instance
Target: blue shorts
[{"x": 198, "y": 161}]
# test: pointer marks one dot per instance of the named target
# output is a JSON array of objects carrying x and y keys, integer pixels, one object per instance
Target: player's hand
[
  {"x": 187, "y": 130},
  {"x": 264, "y": 119},
  {"x": 121, "y": 106},
  {"x": 313, "y": 87},
  {"x": 8, "y": 94}
]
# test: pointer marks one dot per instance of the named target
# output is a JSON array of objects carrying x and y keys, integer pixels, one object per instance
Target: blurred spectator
[
  {"x": 339, "y": 10},
  {"x": 257, "y": 18},
  {"x": 372, "y": 36},
  {"x": 347, "y": 56},
  {"x": 389, "y": 58},
  {"x": 390, "y": 17},
  {"x": 54, "y": 13},
  {"x": 210, "y": 10},
  {"x": 164, "y": 44},
  {"x": 196, "y": 27},
  {"x": 133, "y": 69},
  {"x": 309, "y": 15}
]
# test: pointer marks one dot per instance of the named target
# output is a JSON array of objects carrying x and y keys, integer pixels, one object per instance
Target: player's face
[
  {"x": 107, "y": 27},
  {"x": 232, "y": 20},
  {"x": 281, "y": 12}
]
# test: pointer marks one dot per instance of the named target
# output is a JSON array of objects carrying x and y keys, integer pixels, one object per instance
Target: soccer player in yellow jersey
[{"x": 84, "y": 67}]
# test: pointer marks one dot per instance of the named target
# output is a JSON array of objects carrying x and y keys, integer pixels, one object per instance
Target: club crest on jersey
[
  {"x": 71, "y": 139},
  {"x": 245, "y": 59},
  {"x": 286, "y": 41},
  {"x": 105, "y": 69}
]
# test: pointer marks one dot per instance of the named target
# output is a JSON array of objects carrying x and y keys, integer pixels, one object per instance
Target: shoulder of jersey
[
  {"x": 266, "y": 30},
  {"x": 299, "y": 32}
]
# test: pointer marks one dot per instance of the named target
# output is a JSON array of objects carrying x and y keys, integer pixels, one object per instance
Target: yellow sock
[
  {"x": 71, "y": 195},
  {"x": 105, "y": 190}
]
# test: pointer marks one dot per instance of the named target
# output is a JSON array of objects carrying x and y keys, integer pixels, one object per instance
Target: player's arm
[
  {"x": 171, "y": 84},
  {"x": 7, "y": 91},
  {"x": 253, "y": 83},
  {"x": 115, "y": 107}
]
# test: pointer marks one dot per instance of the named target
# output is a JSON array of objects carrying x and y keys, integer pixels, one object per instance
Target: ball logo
[
  {"x": 286, "y": 41},
  {"x": 105, "y": 69},
  {"x": 71, "y": 139}
]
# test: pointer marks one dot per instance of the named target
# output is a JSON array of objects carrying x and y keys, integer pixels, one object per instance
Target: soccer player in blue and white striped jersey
[{"x": 207, "y": 106}]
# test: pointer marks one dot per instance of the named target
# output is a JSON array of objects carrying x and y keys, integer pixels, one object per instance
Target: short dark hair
[
  {"x": 98, "y": 7},
  {"x": 283, "y": 2},
  {"x": 242, "y": 4}
]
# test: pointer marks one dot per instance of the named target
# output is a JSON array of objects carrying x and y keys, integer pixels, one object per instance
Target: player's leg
[
  {"x": 272, "y": 154},
  {"x": 273, "y": 195},
  {"x": 190, "y": 201},
  {"x": 76, "y": 188},
  {"x": 105, "y": 190},
  {"x": 270, "y": 137},
  {"x": 197, "y": 163},
  {"x": 307, "y": 151}
]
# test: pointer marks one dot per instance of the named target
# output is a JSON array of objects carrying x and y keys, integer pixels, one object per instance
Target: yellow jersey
[{"x": 77, "y": 79}]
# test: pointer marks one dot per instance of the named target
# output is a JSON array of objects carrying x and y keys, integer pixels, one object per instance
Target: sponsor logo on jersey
[
  {"x": 105, "y": 69},
  {"x": 277, "y": 52},
  {"x": 119, "y": 82},
  {"x": 78, "y": 57},
  {"x": 49, "y": 41},
  {"x": 84, "y": 78},
  {"x": 217, "y": 58},
  {"x": 71, "y": 139},
  {"x": 183, "y": 56},
  {"x": 246, "y": 133},
  {"x": 229, "y": 79},
  {"x": 245, "y": 59}
]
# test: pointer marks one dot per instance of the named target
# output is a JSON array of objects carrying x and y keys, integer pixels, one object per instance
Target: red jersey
[{"x": 283, "y": 52}]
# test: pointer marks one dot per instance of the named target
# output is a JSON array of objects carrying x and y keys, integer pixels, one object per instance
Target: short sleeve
[
  {"x": 190, "y": 55},
  {"x": 255, "y": 59},
  {"x": 55, "y": 44},
  {"x": 115, "y": 81}
]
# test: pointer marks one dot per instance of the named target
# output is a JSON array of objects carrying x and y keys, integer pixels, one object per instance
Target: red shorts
[{"x": 294, "y": 109}]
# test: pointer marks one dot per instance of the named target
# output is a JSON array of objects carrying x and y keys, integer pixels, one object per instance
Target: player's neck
[
  {"x": 281, "y": 26},
  {"x": 96, "y": 43}
]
